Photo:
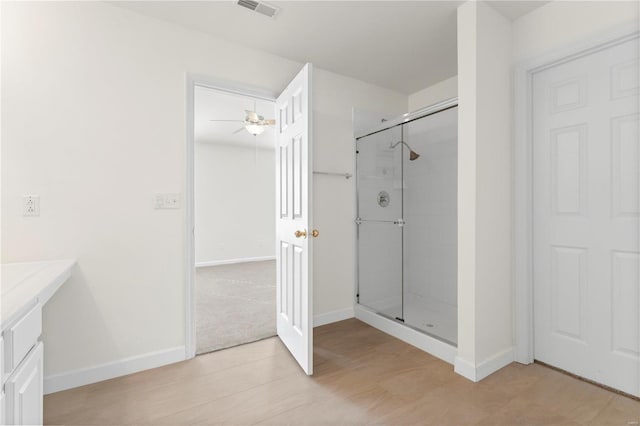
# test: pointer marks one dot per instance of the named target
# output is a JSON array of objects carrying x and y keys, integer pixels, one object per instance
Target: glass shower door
[
  {"x": 430, "y": 234},
  {"x": 407, "y": 178},
  {"x": 380, "y": 193}
]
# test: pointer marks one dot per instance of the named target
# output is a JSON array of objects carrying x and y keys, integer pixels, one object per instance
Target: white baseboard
[
  {"x": 486, "y": 367},
  {"x": 110, "y": 370},
  {"x": 333, "y": 316},
  {"x": 232, "y": 261},
  {"x": 435, "y": 347},
  {"x": 465, "y": 369}
]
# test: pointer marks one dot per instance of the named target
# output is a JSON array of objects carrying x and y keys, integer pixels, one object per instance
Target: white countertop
[{"x": 25, "y": 284}]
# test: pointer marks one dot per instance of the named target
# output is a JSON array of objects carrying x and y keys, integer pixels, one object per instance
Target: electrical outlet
[{"x": 31, "y": 205}]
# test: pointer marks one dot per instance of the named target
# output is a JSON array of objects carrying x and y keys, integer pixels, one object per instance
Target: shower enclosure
[{"x": 406, "y": 172}]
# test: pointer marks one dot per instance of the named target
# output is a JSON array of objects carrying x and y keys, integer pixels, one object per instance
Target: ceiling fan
[{"x": 253, "y": 123}]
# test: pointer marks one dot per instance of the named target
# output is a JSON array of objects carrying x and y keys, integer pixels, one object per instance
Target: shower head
[{"x": 412, "y": 154}]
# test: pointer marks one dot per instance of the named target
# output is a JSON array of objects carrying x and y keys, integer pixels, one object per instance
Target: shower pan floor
[{"x": 436, "y": 319}]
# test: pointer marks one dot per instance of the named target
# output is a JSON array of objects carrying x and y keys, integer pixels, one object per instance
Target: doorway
[
  {"x": 293, "y": 144},
  {"x": 234, "y": 211},
  {"x": 584, "y": 229}
]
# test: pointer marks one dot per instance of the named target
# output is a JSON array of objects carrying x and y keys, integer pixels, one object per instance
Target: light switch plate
[
  {"x": 30, "y": 205},
  {"x": 166, "y": 200}
]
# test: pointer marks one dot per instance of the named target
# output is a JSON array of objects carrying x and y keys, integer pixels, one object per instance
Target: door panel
[
  {"x": 568, "y": 284},
  {"x": 380, "y": 193},
  {"x": 625, "y": 150},
  {"x": 625, "y": 280},
  {"x": 569, "y": 168},
  {"x": 25, "y": 389},
  {"x": 293, "y": 253},
  {"x": 586, "y": 195}
]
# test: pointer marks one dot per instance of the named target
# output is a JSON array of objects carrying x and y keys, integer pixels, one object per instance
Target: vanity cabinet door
[
  {"x": 24, "y": 391},
  {"x": 3, "y": 410}
]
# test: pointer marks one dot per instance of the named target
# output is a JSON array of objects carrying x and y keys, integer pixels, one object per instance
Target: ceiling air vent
[{"x": 259, "y": 7}]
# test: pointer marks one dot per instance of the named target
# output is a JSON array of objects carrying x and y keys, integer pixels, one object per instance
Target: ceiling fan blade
[
  {"x": 271, "y": 122},
  {"x": 234, "y": 121},
  {"x": 238, "y": 131}
]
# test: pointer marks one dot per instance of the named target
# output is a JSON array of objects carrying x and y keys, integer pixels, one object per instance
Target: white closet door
[{"x": 586, "y": 165}]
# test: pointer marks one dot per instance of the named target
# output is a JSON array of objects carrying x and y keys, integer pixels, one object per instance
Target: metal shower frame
[{"x": 386, "y": 125}]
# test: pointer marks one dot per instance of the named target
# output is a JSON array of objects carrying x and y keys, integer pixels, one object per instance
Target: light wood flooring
[{"x": 362, "y": 376}]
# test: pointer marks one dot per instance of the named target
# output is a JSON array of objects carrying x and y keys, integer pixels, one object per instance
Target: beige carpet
[{"x": 235, "y": 304}]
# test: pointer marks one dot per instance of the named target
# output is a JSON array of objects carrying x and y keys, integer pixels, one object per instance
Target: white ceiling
[
  {"x": 515, "y": 9},
  {"x": 212, "y": 104},
  {"x": 402, "y": 45}
]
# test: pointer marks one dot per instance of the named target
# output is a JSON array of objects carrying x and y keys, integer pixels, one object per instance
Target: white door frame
[
  {"x": 191, "y": 81},
  {"x": 523, "y": 176}
]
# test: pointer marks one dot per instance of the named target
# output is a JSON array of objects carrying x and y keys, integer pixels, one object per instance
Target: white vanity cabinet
[
  {"x": 26, "y": 287},
  {"x": 23, "y": 375},
  {"x": 2, "y": 416},
  {"x": 24, "y": 390}
]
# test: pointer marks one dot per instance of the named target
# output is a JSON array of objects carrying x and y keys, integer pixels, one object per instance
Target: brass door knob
[
  {"x": 315, "y": 233},
  {"x": 301, "y": 234}
]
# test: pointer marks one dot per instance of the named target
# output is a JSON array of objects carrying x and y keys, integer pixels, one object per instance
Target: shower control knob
[
  {"x": 301, "y": 234},
  {"x": 315, "y": 233}
]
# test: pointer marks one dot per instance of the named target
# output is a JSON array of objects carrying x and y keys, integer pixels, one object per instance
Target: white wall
[
  {"x": 484, "y": 191},
  {"x": 364, "y": 121},
  {"x": 93, "y": 107},
  {"x": 467, "y": 151},
  {"x": 441, "y": 91},
  {"x": 560, "y": 24},
  {"x": 493, "y": 188},
  {"x": 235, "y": 212}
]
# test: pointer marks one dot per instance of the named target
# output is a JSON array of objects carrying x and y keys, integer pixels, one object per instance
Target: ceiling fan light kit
[
  {"x": 254, "y": 128},
  {"x": 253, "y": 123}
]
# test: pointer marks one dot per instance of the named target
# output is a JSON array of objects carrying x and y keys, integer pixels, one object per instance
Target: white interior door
[
  {"x": 586, "y": 166},
  {"x": 294, "y": 289}
]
